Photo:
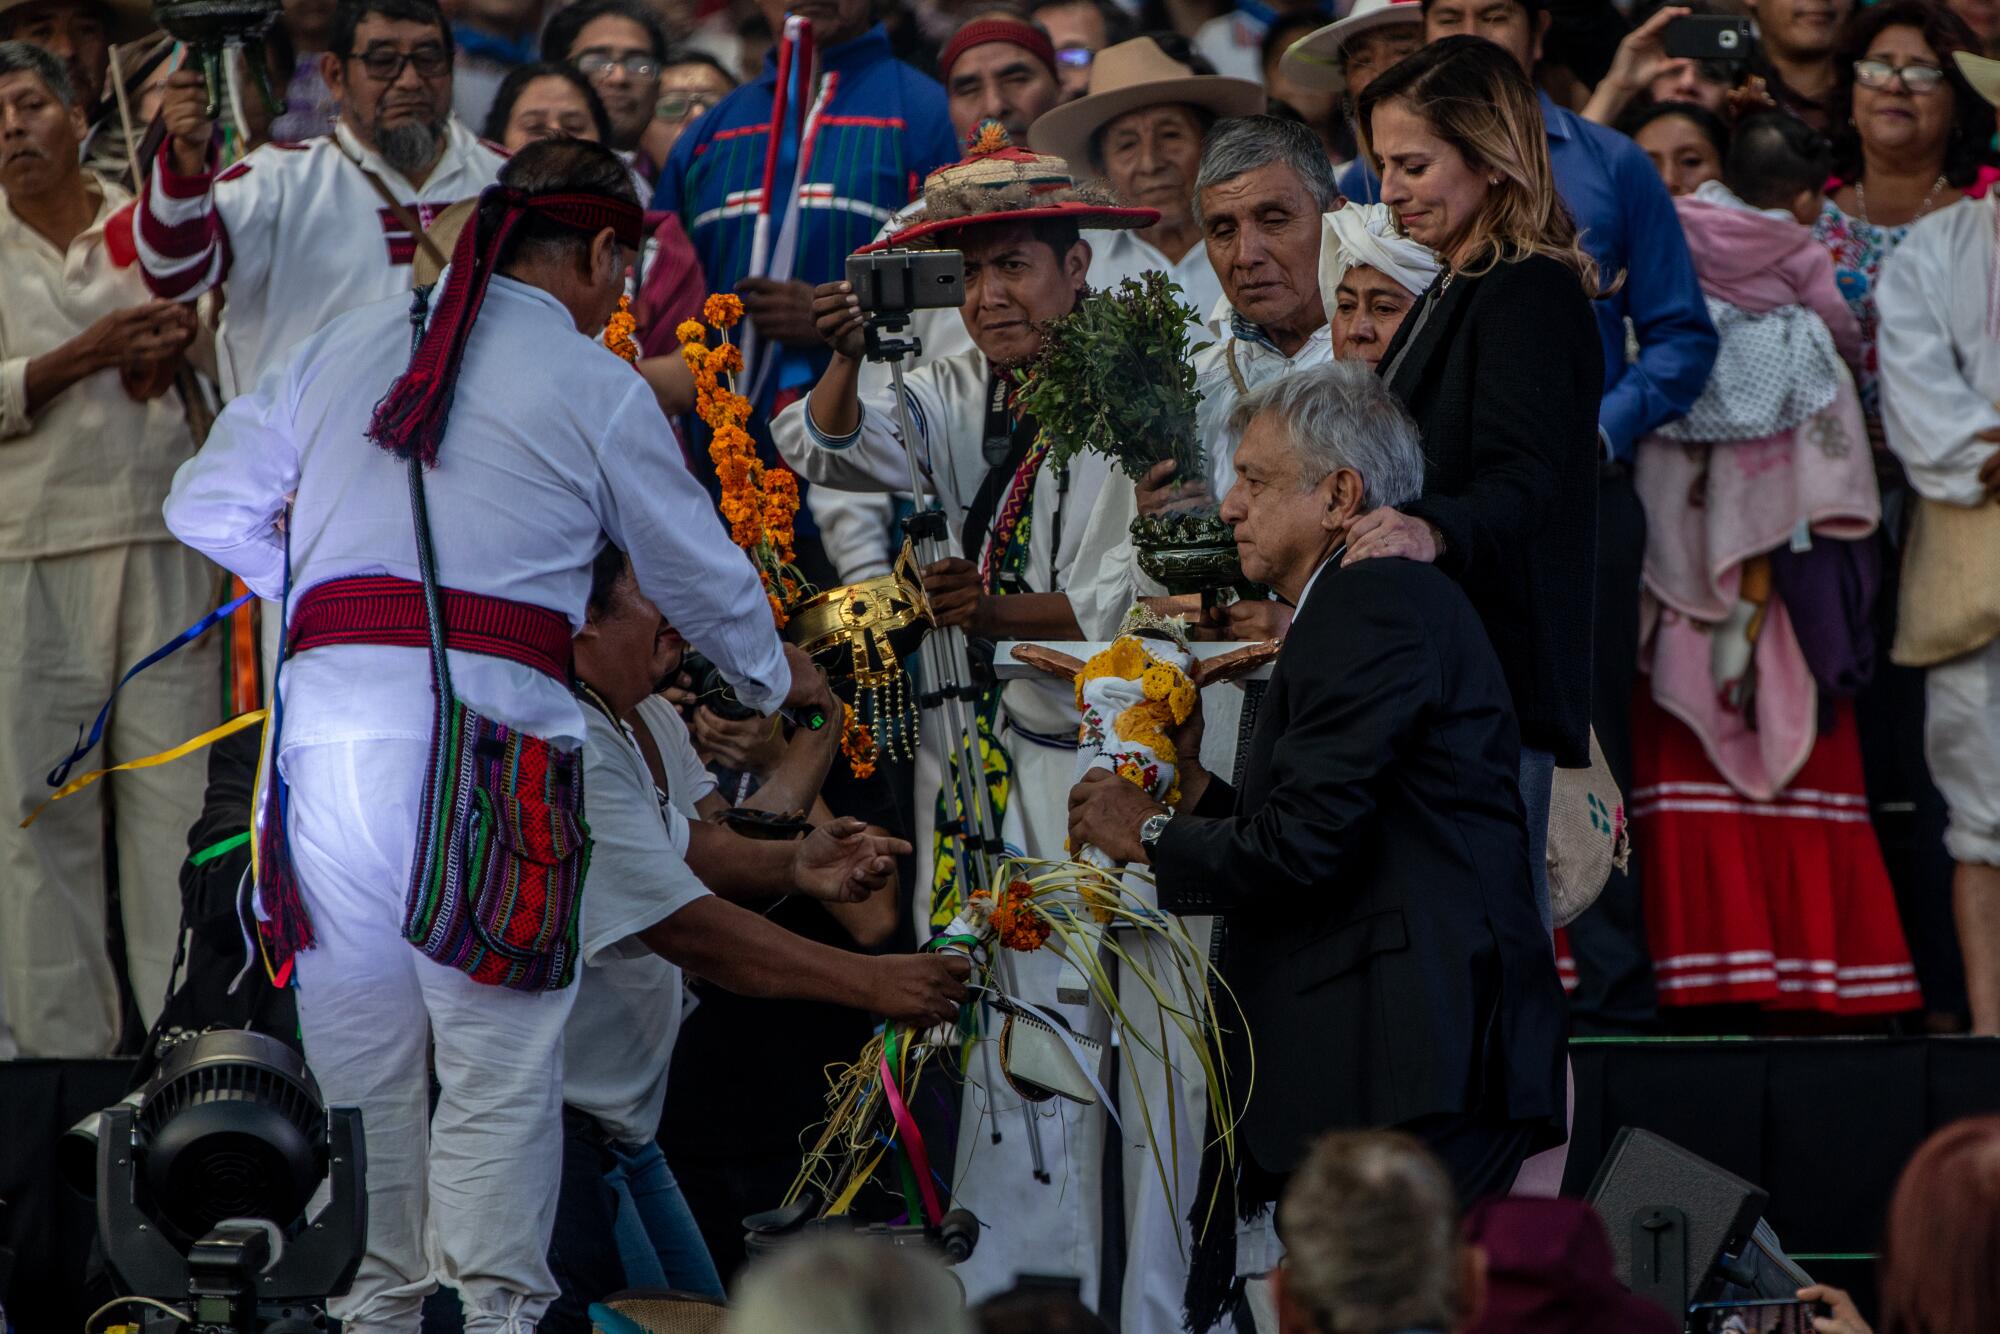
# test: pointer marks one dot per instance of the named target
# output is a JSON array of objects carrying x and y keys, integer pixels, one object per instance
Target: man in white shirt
[
  {"x": 1141, "y": 127},
  {"x": 543, "y": 444},
  {"x": 90, "y": 582},
  {"x": 1016, "y": 215},
  {"x": 667, "y": 895},
  {"x": 1264, "y": 185},
  {"x": 1939, "y": 352},
  {"x": 295, "y": 234}
]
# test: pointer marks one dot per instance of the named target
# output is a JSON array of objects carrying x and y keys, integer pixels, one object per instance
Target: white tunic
[
  {"x": 294, "y": 235},
  {"x": 948, "y": 413},
  {"x": 553, "y": 443},
  {"x": 1109, "y": 577},
  {"x": 1940, "y": 367},
  {"x": 619, "y": 1042},
  {"x": 1115, "y": 256}
]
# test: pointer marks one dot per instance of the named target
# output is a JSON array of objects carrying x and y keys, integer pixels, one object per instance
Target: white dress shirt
[
  {"x": 1117, "y": 255},
  {"x": 553, "y": 443},
  {"x": 1939, "y": 360}
]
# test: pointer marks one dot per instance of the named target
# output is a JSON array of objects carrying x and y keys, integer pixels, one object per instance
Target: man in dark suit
[{"x": 1372, "y": 873}]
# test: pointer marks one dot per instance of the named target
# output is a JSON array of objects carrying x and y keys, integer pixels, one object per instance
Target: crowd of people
[{"x": 1623, "y": 413}]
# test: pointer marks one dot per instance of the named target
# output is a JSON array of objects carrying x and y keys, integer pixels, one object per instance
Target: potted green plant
[{"x": 1116, "y": 377}]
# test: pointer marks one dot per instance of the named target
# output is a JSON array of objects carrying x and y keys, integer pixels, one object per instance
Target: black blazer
[
  {"x": 1373, "y": 877},
  {"x": 1504, "y": 380}
]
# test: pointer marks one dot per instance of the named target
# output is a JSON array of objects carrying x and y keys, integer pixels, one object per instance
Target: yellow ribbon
[
  {"x": 854, "y": 1185},
  {"x": 212, "y": 735}
]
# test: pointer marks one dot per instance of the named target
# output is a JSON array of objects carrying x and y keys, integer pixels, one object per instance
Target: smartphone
[
  {"x": 895, "y": 282},
  {"x": 1710, "y": 37},
  {"x": 1778, "y": 1315}
]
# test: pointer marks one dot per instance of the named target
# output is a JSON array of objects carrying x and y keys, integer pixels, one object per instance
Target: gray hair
[
  {"x": 27, "y": 58},
  {"x": 847, "y": 1285},
  {"x": 1244, "y": 143},
  {"x": 1341, "y": 415},
  {"x": 1371, "y": 1235}
]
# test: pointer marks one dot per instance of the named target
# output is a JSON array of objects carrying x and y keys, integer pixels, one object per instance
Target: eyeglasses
[
  {"x": 386, "y": 63},
  {"x": 1879, "y": 74},
  {"x": 1076, "y": 57},
  {"x": 683, "y": 106},
  {"x": 594, "y": 62}
]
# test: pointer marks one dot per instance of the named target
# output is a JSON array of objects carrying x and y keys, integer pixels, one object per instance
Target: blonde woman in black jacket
[{"x": 1501, "y": 367}]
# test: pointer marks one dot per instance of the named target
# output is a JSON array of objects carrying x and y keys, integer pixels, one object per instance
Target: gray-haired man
[
  {"x": 1372, "y": 872},
  {"x": 1263, "y": 186}
]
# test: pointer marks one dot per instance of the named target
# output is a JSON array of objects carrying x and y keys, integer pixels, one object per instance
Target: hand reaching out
[{"x": 845, "y": 861}]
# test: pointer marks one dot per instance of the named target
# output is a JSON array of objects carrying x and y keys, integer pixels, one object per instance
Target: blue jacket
[
  {"x": 1629, "y": 226},
  {"x": 884, "y": 129}
]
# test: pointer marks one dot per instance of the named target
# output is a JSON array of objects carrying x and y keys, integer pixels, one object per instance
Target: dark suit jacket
[
  {"x": 1372, "y": 875},
  {"x": 1504, "y": 380}
]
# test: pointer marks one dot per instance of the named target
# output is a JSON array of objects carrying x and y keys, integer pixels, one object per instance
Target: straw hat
[
  {"x": 124, "y": 20},
  {"x": 1314, "y": 61},
  {"x": 998, "y": 182},
  {"x": 1982, "y": 72},
  {"x": 1128, "y": 77}
]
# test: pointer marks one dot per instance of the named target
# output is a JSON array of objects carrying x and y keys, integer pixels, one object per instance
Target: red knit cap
[{"x": 978, "y": 33}]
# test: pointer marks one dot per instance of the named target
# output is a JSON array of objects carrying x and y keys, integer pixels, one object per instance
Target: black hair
[
  {"x": 556, "y": 166},
  {"x": 1029, "y": 1308},
  {"x": 687, "y": 55},
  {"x": 568, "y": 24},
  {"x": 1286, "y": 29},
  {"x": 347, "y": 16},
  {"x": 1774, "y": 158},
  {"x": 605, "y": 571},
  {"x": 1118, "y": 25},
  {"x": 516, "y": 83},
  {"x": 1712, "y": 126},
  {"x": 27, "y": 58},
  {"x": 1968, "y": 145}
]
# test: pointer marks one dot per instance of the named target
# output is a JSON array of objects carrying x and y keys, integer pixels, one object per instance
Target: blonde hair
[{"x": 1474, "y": 97}]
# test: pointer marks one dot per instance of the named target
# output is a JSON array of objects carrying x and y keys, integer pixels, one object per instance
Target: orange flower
[
  {"x": 690, "y": 333},
  {"x": 1015, "y": 920},
  {"x": 856, "y": 743},
  {"x": 618, "y": 331},
  {"x": 722, "y": 310},
  {"x": 727, "y": 359}
]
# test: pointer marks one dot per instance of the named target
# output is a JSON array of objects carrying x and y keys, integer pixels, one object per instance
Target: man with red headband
[{"x": 521, "y": 483}]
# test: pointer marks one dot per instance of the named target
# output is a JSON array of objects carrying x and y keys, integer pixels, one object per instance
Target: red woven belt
[{"x": 382, "y": 609}]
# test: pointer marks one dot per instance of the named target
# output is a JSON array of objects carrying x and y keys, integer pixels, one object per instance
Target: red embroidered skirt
[{"x": 1783, "y": 903}]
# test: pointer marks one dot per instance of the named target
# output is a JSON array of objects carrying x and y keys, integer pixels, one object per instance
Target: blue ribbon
[{"x": 86, "y": 743}]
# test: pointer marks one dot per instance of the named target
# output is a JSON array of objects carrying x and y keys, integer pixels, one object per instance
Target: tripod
[{"x": 950, "y": 693}]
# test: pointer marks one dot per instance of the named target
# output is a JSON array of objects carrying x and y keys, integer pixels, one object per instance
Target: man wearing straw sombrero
[
  {"x": 1141, "y": 128},
  {"x": 1017, "y": 518}
]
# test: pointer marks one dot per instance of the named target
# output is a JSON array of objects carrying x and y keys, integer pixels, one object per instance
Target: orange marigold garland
[
  {"x": 857, "y": 744},
  {"x": 618, "y": 331},
  {"x": 758, "y": 503}
]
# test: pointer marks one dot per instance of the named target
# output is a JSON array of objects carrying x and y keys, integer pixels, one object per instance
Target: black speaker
[{"x": 1671, "y": 1215}]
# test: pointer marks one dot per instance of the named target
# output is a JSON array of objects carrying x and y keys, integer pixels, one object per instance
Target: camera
[
  {"x": 896, "y": 282},
  {"x": 711, "y": 688},
  {"x": 1709, "y": 37}
]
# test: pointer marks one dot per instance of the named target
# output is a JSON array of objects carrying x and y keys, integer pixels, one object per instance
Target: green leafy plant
[{"x": 1116, "y": 377}]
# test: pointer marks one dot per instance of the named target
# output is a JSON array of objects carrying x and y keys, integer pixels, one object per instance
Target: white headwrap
[{"x": 1366, "y": 234}]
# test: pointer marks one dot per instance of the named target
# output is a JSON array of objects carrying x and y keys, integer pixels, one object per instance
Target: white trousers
[
  {"x": 73, "y": 625},
  {"x": 467, "y": 1196}
]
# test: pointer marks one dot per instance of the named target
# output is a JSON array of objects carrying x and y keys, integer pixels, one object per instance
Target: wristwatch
[{"x": 1150, "y": 831}]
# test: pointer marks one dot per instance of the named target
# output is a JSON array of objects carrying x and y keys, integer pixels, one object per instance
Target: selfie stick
[{"x": 948, "y": 683}]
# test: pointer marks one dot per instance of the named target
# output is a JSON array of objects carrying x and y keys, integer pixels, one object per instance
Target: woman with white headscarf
[{"x": 1369, "y": 276}]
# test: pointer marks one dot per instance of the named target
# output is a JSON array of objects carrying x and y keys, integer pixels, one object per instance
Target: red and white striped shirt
[{"x": 295, "y": 235}]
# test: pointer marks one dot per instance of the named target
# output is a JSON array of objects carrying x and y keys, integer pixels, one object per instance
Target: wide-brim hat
[
  {"x": 124, "y": 20},
  {"x": 1315, "y": 60},
  {"x": 1982, "y": 72},
  {"x": 998, "y": 183},
  {"x": 1128, "y": 77}
]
